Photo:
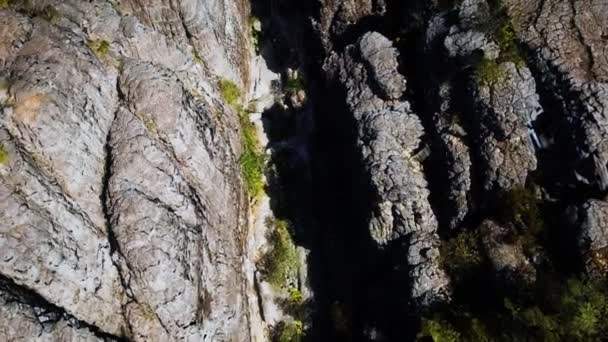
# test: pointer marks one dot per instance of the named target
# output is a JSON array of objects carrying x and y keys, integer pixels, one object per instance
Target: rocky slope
[
  {"x": 123, "y": 213},
  {"x": 432, "y": 157}
]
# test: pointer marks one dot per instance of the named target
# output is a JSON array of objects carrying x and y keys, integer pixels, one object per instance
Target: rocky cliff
[
  {"x": 225, "y": 170},
  {"x": 123, "y": 215}
]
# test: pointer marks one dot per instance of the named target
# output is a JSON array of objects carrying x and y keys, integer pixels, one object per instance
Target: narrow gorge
[{"x": 321, "y": 170}]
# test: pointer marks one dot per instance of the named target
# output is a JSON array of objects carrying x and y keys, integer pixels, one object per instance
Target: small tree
[{"x": 437, "y": 330}]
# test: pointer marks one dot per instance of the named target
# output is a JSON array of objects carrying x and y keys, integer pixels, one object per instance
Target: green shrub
[
  {"x": 289, "y": 331},
  {"x": 505, "y": 37},
  {"x": 489, "y": 72},
  {"x": 4, "y": 156},
  {"x": 522, "y": 207},
  {"x": 294, "y": 85},
  {"x": 577, "y": 313},
  {"x": 230, "y": 92},
  {"x": 567, "y": 310},
  {"x": 501, "y": 29},
  {"x": 281, "y": 263},
  {"x": 252, "y": 161},
  {"x": 437, "y": 330},
  {"x": 4, "y": 4},
  {"x": 295, "y": 296},
  {"x": 462, "y": 254},
  {"x": 100, "y": 47}
]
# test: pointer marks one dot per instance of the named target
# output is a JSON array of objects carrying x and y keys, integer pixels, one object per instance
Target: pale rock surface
[{"x": 121, "y": 200}]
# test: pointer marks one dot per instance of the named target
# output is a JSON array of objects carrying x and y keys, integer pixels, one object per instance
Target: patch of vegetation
[
  {"x": 100, "y": 47},
  {"x": 148, "y": 122},
  {"x": 295, "y": 296},
  {"x": 294, "y": 84},
  {"x": 230, "y": 92},
  {"x": 488, "y": 72},
  {"x": 252, "y": 161},
  {"x": 437, "y": 330},
  {"x": 4, "y": 156},
  {"x": 502, "y": 32},
  {"x": 289, "y": 331},
  {"x": 4, "y": 4},
  {"x": 577, "y": 313},
  {"x": 522, "y": 208},
  {"x": 256, "y": 32},
  {"x": 505, "y": 37},
  {"x": 462, "y": 254},
  {"x": 199, "y": 60},
  {"x": 281, "y": 263},
  {"x": 570, "y": 310}
]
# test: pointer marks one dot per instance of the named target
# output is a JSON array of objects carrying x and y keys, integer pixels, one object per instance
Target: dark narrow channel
[{"x": 358, "y": 290}]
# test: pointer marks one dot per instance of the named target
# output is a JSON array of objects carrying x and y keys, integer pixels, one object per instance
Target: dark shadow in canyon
[{"x": 321, "y": 186}]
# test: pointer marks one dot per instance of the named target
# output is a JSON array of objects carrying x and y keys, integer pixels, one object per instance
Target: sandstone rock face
[
  {"x": 389, "y": 138},
  {"x": 121, "y": 200}
]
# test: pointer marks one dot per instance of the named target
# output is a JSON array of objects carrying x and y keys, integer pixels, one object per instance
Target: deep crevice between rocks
[
  {"x": 104, "y": 198},
  {"x": 330, "y": 200}
]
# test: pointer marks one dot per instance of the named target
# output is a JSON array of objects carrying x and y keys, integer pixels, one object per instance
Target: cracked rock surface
[
  {"x": 121, "y": 198},
  {"x": 389, "y": 138},
  {"x": 468, "y": 129},
  {"x": 568, "y": 40}
]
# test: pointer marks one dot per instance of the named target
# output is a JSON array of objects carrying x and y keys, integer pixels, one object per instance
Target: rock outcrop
[
  {"x": 593, "y": 237},
  {"x": 120, "y": 191},
  {"x": 507, "y": 108},
  {"x": 124, "y": 215},
  {"x": 389, "y": 136},
  {"x": 568, "y": 42}
]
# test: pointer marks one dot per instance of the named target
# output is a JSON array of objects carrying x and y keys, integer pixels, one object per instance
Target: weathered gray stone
[
  {"x": 455, "y": 154},
  {"x": 465, "y": 43},
  {"x": 336, "y": 16},
  {"x": 507, "y": 107},
  {"x": 121, "y": 191},
  {"x": 389, "y": 136},
  {"x": 568, "y": 41},
  {"x": 381, "y": 59}
]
